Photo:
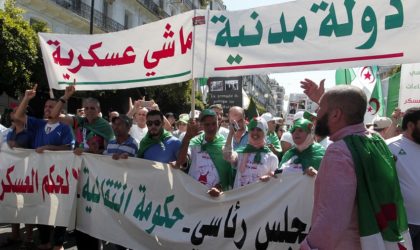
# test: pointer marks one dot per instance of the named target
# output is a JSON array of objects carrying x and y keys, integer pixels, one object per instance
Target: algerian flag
[
  {"x": 344, "y": 76},
  {"x": 203, "y": 88},
  {"x": 376, "y": 105},
  {"x": 367, "y": 79},
  {"x": 393, "y": 93},
  {"x": 252, "y": 110}
]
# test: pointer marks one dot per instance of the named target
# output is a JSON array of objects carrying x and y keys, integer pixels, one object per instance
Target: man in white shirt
[
  {"x": 406, "y": 150},
  {"x": 139, "y": 130}
]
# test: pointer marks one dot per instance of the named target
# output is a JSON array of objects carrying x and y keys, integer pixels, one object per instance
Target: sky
[{"x": 290, "y": 81}]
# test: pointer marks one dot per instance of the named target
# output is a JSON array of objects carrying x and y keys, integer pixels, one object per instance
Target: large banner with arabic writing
[
  {"x": 293, "y": 36},
  {"x": 146, "y": 205},
  {"x": 409, "y": 86},
  {"x": 38, "y": 188},
  {"x": 311, "y": 35},
  {"x": 148, "y": 55}
]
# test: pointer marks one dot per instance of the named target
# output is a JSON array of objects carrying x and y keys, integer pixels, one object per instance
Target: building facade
[
  {"x": 73, "y": 16},
  {"x": 265, "y": 92}
]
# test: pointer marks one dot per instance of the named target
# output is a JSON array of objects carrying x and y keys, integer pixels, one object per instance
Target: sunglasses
[{"x": 155, "y": 122}]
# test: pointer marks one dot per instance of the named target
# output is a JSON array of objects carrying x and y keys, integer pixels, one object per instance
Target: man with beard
[
  {"x": 158, "y": 144},
  {"x": 406, "y": 149},
  {"x": 240, "y": 137},
  {"x": 357, "y": 198}
]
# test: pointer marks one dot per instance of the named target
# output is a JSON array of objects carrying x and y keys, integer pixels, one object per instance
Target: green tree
[
  {"x": 39, "y": 74},
  {"x": 175, "y": 97},
  {"x": 18, "y": 50}
]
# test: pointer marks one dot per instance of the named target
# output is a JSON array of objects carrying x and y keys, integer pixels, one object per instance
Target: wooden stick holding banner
[{"x": 194, "y": 82}]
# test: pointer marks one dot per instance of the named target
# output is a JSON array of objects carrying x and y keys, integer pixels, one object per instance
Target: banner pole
[
  {"x": 194, "y": 80},
  {"x": 194, "y": 86}
]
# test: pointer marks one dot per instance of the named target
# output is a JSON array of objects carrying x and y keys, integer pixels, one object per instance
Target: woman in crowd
[{"x": 306, "y": 155}]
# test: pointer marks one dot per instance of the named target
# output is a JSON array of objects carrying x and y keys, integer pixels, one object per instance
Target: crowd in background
[{"x": 227, "y": 151}]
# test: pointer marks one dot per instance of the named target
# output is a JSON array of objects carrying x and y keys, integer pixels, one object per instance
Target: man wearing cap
[
  {"x": 381, "y": 125},
  {"x": 158, "y": 144},
  {"x": 406, "y": 149},
  {"x": 207, "y": 163},
  {"x": 123, "y": 145},
  {"x": 182, "y": 126},
  {"x": 219, "y": 111},
  {"x": 255, "y": 161},
  {"x": 357, "y": 198},
  {"x": 272, "y": 140}
]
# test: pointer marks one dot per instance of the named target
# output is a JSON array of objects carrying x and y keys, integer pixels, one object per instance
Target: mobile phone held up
[{"x": 235, "y": 126}]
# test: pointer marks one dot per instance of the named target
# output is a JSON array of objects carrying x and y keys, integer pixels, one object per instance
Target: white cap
[
  {"x": 298, "y": 115},
  {"x": 287, "y": 137},
  {"x": 269, "y": 117},
  {"x": 258, "y": 122},
  {"x": 381, "y": 122}
]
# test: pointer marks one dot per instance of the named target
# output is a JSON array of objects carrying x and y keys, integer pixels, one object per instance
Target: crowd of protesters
[{"x": 357, "y": 167}]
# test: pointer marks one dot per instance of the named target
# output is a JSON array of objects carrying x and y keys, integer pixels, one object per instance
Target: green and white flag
[{"x": 367, "y": 79}]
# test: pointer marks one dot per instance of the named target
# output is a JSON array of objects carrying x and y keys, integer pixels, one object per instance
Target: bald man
[
  {"x": 359, "y": 172},
  {"x": 240, "y": 137}
]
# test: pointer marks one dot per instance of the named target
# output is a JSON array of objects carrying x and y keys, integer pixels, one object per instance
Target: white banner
[
  {"x": 148, "y": 55},
  {"x": 409, "y": 86},
  {"x": 321, "y": 35},
  {"x": 202, "y": 43},
  {"x": 146, "y": 205},
  {"x": 38, "y": 188}
]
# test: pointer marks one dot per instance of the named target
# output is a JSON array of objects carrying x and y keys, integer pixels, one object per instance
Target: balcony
[
  {"x": 153, "y": 8},
  {"x": 99, "y": 19},
  {"x": 188, "y": 3}
]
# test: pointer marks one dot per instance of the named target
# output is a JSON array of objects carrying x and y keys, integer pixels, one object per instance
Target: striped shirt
[{"x": 130, "y": 146}]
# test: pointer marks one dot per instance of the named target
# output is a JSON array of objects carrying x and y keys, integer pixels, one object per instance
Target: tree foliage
[
  {"x": 175, "y": 97},
  {"x": 20, "y": 63}
]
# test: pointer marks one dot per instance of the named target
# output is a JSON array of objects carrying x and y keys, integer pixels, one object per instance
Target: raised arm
[
  {"x": 192, "y": 130},
  {"x": 312, "y": 90},
  {"x": 228, "y": 153},
  {"x": 20, "y": 113},
  {"x": 395, "y": 117},
  {"x": 70, "y": 90},
  {"x": 166, "y": 124}
]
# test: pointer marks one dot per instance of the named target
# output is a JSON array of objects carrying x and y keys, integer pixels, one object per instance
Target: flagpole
[
  {"x": 194, "y": 81},
  {"x": 194, "y": 87}
]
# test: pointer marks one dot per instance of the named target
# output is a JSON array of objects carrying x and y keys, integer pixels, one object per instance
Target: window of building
[{"x": 127, "y": 19}]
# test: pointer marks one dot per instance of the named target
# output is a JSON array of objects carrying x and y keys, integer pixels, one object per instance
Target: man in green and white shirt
[{"x": 207, "y": 163}]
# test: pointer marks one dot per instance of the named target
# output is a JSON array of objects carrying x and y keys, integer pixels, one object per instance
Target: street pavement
[{"x": 70, "y": 244}]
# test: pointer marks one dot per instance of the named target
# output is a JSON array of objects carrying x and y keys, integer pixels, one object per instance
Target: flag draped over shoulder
[
  {"x": 214, "y": 149},
  {"x": 382, "y": 216}
]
